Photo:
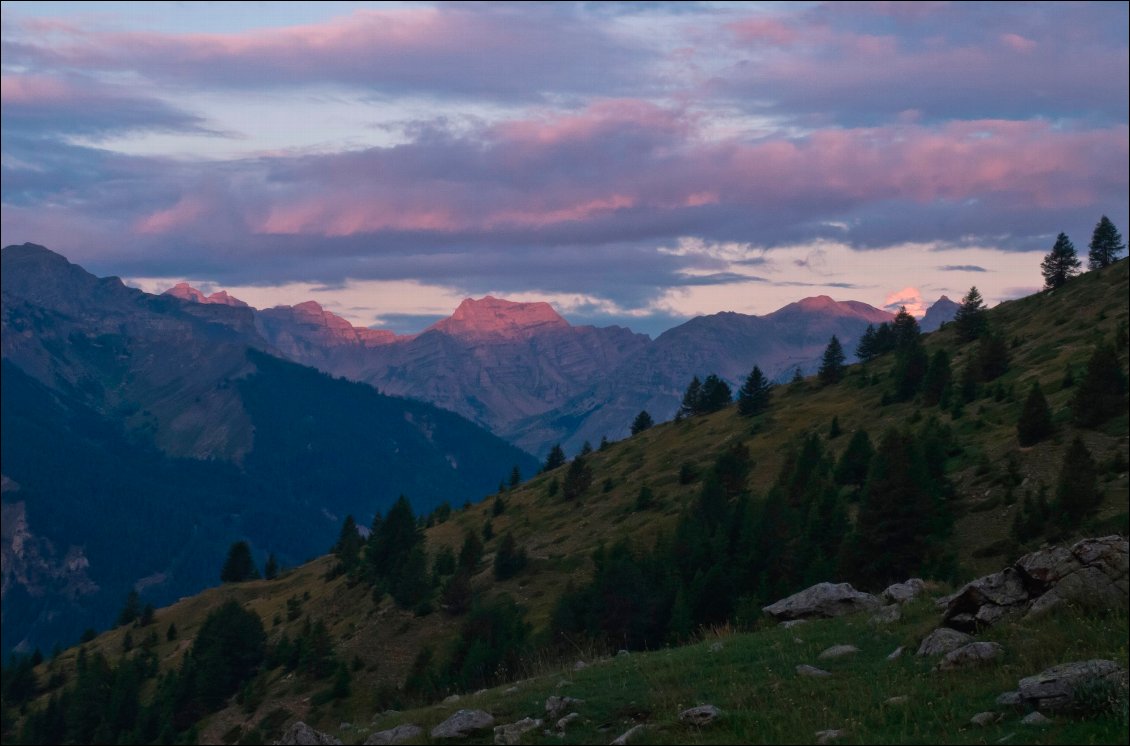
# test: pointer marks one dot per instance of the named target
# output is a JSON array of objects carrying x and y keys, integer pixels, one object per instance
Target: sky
[{"x": 631, "y": 163}]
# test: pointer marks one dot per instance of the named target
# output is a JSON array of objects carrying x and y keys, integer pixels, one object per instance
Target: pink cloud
[
  {"x": 910, "y": 297},
  {"x": 1018, "y": 43},
  {"x": 765, "y": 31}
]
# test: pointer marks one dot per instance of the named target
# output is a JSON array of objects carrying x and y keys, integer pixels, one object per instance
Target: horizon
[{"x": 635, "y": 165}]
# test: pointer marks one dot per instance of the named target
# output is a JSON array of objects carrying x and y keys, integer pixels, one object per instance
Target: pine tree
[
  {"x": 937, "y": 378},
  {"x": 578, "y": 479},
  {"x": 1102, "y": 392},
  {"x": 349, "y": 543},
  {"x": 131, "y": 609},
  {"x": 855, "y": 461},
  {"x": 457, "y": 594},
  {"x": 1061, "y": 264},
  {"x": 642, "y": 422},
  {"x": 1106, "y": 245},
  {"x": 271, "y": 569},
  {"x": 866, "y": 349},
  {"x": 509, "y": 560},
  {"x": 691, "y": 398},
  {"x": 753, "y": 397},
  {"x": 832, "y": 365},
  {"x": 992, "y": 357},
  {"x": 239, "y": 566},
  {"x": 515, "y": 477},
  {"x": 904, "y": 330},
  {"x": 714, "y": 395},
  {"x": 471, "y": 552},
  {"x": 970, "y": 319},
  {"x": 604, "y": 444},
  {"x": 911, "y": 364},
  {"x": 586, "y": 448},
  {"x": 555, "y": 458},
  {"x": 834, "y": 430},
  {"x": 1077, "y": 490},
  {"x": 1035, "y": 421}
]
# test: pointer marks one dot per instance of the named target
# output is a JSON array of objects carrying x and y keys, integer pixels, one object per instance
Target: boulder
[
  {"x": 838, "y": 651},
  {"x": 1035, "y": 718},
  {"x": 301, "y": 734},
  {"x": 971, "y": 655},
  {"x": 463, "y": 723},
  {"x": 627, "y": 736},
  {"x": 828, "y": 736},
  {"x": 896, "y": 653},
  {"x": 399, "y": 734},
  {"x": 700, "y": 716},
  {"x": 505, "y": 735},
  {"x": 556, "y": 706},
  {"x": 822, "y": 600},
  {"x": 811, "y": 671},
  {"x": 983, "y": 719},
  {"x": 1068, "y": 685},
  {"x": 564, "y": 722},
  {"x": 1092, "y": 572},
  {"x": 901, "y": 593},
  {"x": 942, "y": 641},
  {"x": 886, "y": 614},
  {"x": 1010, "y": 699}
]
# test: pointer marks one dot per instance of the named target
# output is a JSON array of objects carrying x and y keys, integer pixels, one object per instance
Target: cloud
[
  {"x": 908, "y": 297},
  {"x": 961, "y": 268}
]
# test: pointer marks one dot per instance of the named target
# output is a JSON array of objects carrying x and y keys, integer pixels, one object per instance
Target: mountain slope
[{"x": 166, "y": 423}]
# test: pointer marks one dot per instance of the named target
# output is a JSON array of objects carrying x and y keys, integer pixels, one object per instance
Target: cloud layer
[{"x": 633, "y": 155}]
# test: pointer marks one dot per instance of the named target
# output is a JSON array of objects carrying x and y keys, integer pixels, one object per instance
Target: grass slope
[{"x": 1048, "y": 333}]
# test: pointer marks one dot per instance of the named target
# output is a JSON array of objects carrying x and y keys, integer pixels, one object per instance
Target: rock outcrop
[
  {"x": 1093, "y": 572},
  {"x": 399, "y": 734},
  {"x": 301, "y": 734},
  {"x": 822, "y": 600},
  {"x": 1070, "y": 685},
  {"x": 463, "y": 723}
]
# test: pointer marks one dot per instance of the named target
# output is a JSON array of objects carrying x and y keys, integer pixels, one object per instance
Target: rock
[
  {"x": 793, "y": 623},
  {"x": 344, "y": 725},
  {"x": 452, "y": 699},
  {"x": 896, "y": 653},
  {"x": 1010, "y": 699},
  {"x": 399, "y": 734},
  {"x": 971, "y": 655},
  {"x": 716, "y": 647},
  {"x": 511, "y": 690},
  {"x": 512, "y": 733},
  {"x": 301, "y": 734},
  {"x": 629, "y": 734},
  {"x": 886, "y": 614},
  {"x": 622, "y": 653},
  {"x": 983, "y": 719},
  {"x": 1059, "y": 687},
  {"x": 700, "y": 716},
  {"x": 838, "y": 651},
  {"x": 942, "y": 641},
  {"x": 463, "y": 723},
  {"x": 901, "y": 593},
  {"x": 811, "y": 671},
  {"x": 564, "y": 722},
  {"x": 822, "y": 600},
  {"x": 827, "y": 736},
  {"x": 901, "y": 699},
  {"x": 580, "y": 666},
  {"x": 1093, "y": 572},
  {"x": 1035, "y": 718},
  {"x": 556, "y": 706}
]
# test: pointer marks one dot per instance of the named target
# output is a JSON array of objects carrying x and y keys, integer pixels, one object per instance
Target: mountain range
[{"x": 525, "y": 373}]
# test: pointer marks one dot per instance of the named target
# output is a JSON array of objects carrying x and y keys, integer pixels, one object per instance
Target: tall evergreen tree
[
  {"x": 131, "y": 609},
  {"x": 515, "y": 476},
  {"x": 1102, "y": 392},
  {"x": 753, "y": 396},
  {"x": 555, "y": 458},
  {"x": 349, "y": 543},
  {"x": 937, "y": 379},
  {"x": 509, "y": 560},
  {"x": 271, "y": 569},
  {"x": 714, "y": 395},
  {"x": 577, "y": 479},
  {"x": 866, "y": 350},
  {"x": 904, "y": 330},
  {"x": 832, "y": 365},
  {"x": 239, "y": 566},
  {"x": 1077, "y": 489},
  {"x": 1061, "y": 264},
  {"x": 1106, "y": 245},
  {"x": 911, "y": 364},
  {"x": 1035, "y": 421},
  {"x": 992, "y": 356},
  {"x": 691, "y": 398},
  {"x": 642, "y": 422},
  {"x": 855, "y": 461},
  {"x": 970, "y": 319}
]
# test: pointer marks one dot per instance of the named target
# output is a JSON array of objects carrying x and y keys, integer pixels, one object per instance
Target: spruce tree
[
  {"x": 1106, "y": 245},
  {"x": 509, "y": 560},
  {"x": 515, "y": 477},
  {"x": 239, "y": 566},
  {"x": 714, "y": 395},
  {"x": 691, "y": 398},
  {"x": 555, "y": 458},
  {"x": 577, "y": 479},
  {"x": 1061, "y": 264},
  {"x": 992, "y": 357},
  {"x": 1077, "y": 489},
  {"x": 131, "y": 609},
  {"x": 1102, "y": 392},
  {"x": 866, "y": 350},
  {"x": 753, "y": 397},
  {"x": 970, "y": 319},
  {"x": 271, "y": 569},
  {"x": 349, "y": 543},
  {"x": 855, "y": 461},
  {"x": 937, "y": 379},
  {"x": 904, "y": 330},
  {"x": 642, "y": 422},
  {"x": 1035, "y": 421},
  {"x": 832, "y": 365}
]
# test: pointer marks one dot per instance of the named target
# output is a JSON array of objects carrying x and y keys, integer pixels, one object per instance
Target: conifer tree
[
  {"x": 586, "y": 448},
  {"x": 832, "y": 365},
  {"x": 604, "y": 444},
  {"x": 904, "y": 330},
  {"x": 1061, "y": 264},
  {"x": 515, "y": 477},
  {"x": 555, "y": 458},
  {"x": 642, "y": 422},
  {"x": 937, "y": 379},
  {"x": 970, "y": 319},
  {"x": 131, "y": 609},
  {"x": 1077, "y": 489},
  {"x": 866, "y": 350},
  {"x": 992, "y": 357},
  {"x": 577, "y": 479},
  {"x": 911, "y": 365},
  {"x": 239, "y": 566},
  {"x": 855, "y": 461},
  {"x": 714, "y": 395},
  {"x": 349, "y": 543},
  {"x": 509, "y": 560},
  {"x": 1102, "y": 392},
  {"x": 457, "y": 594},
  {"x": 691, "y": 398},
  {"x": 271, "y": 569},
  {"x": 471, "y": 553},
  {"x": 1106, "y": 245},
  {"x": 1035, "y": 421},
  {"x": 753, "y": 396}
]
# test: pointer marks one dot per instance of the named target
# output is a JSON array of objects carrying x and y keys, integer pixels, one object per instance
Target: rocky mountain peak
[
  {"x": 490, "y": 316},
  {"x": 184, "y": 291}
]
